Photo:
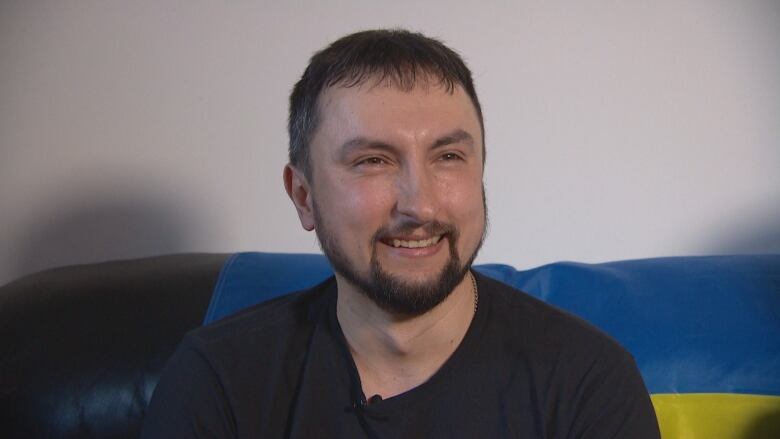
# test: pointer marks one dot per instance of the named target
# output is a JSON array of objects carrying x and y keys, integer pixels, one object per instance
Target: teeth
[{"x": 416, "y": 244}]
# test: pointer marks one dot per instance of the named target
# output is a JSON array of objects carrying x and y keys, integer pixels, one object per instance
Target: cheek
[
  {"x": 462, "y": 196},
  {"x": 465, "y": 207},
  {"x": 362, "y": 204}
]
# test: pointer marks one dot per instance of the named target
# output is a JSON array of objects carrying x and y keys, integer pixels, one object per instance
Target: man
[{"x": 386, "y": 165}]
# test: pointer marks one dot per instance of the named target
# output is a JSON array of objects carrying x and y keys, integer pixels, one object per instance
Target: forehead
[{"x": 389, "y": 114}]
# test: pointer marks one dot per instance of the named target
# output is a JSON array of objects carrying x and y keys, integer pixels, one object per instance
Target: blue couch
[{"x": 83, "y": 346}]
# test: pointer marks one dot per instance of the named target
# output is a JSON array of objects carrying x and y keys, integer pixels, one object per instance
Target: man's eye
[
  {"x": 372, "y": 161},
  {"x": 450, "y": 156}
]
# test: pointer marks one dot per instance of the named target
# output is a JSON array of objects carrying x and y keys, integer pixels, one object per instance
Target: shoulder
[
  {"x": 264, "y": 325},
  {"x": 590, "y": 379},
  {"x": 210, "y": 384},
  {"x": 546, "y": 329}
]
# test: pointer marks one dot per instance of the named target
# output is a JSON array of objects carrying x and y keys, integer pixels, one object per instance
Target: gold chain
[{"x": 476, "y": 291}]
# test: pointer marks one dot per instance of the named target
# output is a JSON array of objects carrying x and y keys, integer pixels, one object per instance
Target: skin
[{"x": 383, "y": 158}]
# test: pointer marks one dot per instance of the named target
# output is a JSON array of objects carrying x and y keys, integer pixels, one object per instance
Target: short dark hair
[{"x": 398, "y": 56}]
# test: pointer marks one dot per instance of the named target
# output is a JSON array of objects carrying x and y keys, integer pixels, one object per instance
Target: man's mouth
[{"x": 413, "y": 243}]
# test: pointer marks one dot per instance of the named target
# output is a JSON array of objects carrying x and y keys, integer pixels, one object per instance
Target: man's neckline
[{"x": 460, "y": 358}]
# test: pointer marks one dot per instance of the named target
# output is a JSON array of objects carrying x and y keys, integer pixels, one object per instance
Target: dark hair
[{"x": 398, "y": 56}]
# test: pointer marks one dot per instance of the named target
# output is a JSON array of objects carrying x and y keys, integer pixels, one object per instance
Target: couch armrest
[{"x": 83, "y": 346}]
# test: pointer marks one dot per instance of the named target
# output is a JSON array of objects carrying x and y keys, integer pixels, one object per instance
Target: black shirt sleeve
[
  {"x": 189, "y": 401},
  {"x": 611, "y": 401}
]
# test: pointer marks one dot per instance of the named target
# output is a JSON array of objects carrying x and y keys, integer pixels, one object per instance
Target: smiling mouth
[{"x": 413, "y": 243}]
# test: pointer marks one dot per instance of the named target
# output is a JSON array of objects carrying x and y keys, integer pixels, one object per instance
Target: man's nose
[{"x": 417, "y": 197}]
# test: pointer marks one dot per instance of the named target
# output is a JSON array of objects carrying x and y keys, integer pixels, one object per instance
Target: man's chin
[
  {"x": 413, "y": 287},
  {"x": 411, "y": 294},
  {"x": 414, "y": 277}
]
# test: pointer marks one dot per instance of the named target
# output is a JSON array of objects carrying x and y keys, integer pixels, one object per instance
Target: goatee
[{"x": 392, "y": 293}]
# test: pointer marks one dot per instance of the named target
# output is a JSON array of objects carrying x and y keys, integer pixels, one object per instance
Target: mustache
[{"x": 409, "y": 227}]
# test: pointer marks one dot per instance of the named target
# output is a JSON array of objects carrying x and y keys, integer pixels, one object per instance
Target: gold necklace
[{"x": 476, "y": 291}]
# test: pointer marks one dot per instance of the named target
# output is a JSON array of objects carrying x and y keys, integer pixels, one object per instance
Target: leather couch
[{"x": 82, "y": 347}]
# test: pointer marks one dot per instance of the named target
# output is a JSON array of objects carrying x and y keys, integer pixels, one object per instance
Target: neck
[{"x": 395, "y": 353}]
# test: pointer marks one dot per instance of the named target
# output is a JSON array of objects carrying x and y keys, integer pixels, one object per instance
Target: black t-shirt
[{"x": 282, "y": 370}]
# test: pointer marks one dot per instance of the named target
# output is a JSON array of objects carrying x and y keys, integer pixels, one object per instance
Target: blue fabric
[
  {"x": 250, "y": 278},
  {"x": 694, "y": 324}
]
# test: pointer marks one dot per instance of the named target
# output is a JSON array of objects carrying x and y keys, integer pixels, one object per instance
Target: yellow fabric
[{"x": 717, "y": 416}]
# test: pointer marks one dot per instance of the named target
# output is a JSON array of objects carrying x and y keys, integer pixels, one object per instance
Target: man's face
[{"x": 396, "y": 191}]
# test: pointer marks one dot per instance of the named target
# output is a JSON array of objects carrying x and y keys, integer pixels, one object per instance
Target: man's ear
[{"x": 297, "y": 187}]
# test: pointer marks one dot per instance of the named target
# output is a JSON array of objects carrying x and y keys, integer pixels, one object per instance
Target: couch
[{"x": 82, "y": 347}]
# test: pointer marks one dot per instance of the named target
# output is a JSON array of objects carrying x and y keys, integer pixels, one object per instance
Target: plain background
[{"x": 615, "y": 129}]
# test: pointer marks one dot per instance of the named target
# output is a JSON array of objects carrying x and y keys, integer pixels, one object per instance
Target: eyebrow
[{"x": 456, "y": 136}]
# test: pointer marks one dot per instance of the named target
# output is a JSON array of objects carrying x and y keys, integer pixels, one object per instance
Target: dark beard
[{"x": 390, "y": 293}]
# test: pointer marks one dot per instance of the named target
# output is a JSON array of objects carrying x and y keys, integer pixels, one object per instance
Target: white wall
[{"x": 615, "y": 129}]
